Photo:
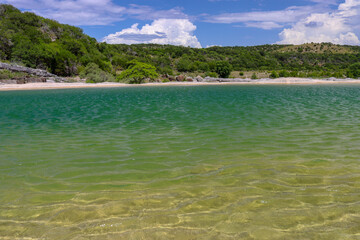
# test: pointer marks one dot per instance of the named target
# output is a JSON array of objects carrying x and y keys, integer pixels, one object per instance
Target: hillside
[
  {"x": 65, "y": 50},
  {"x": 319, "y": 48}
]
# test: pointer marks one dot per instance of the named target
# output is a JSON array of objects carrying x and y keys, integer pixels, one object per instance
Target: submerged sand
[{"x": 294, "y": 81}]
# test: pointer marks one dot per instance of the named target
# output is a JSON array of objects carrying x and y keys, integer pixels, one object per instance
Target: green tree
[
  {"x": 137, "y": 73},
  {"x": 94, "y": 74},
  {"x": 354, "y": 71},
  {"x": 223, "y": 69},
  {"x": 274, "y": 75},
  {"x": 284, "y": 73}
]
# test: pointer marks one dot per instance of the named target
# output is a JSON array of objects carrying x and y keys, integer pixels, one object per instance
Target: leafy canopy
[
  {"x": 137, "y": 73},
  {"x": 93, "y": 74},
  {"x": 223, "y": 68},
  {"x": 354, "y": 70}
]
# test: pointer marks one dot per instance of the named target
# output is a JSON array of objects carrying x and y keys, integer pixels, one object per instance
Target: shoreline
[{"x": 278, "y": 81}]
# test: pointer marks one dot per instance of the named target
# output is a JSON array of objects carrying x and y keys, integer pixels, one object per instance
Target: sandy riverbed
[{"x": 35, "y": 86}]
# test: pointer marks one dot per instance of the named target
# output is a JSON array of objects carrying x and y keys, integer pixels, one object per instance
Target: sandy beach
[{"x": 292, "y": 81}]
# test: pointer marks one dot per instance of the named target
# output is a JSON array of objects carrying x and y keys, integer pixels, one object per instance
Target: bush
[
  {"x": 254, "y": 76},
  {"x": 294, "y": 74},
  {"x": 137, "y": 73},
  {"x": 93, "y": 74},
  {"x": 284, "y": 73},
  {"x": 274, "y": 75},
  {"x": 6, "y": 74},
  {"x": 354, "y": 71},
  {"x": 223, "y": 69},
  {"x": 211, "y": 74}
]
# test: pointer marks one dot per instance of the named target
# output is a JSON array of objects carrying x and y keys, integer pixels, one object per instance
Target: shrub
[
  {"x": 254, "y": 76},
  {"x": 223, "y": 69},
  {"x": 211, "y": 74},
  {"x": 284, "y": 73},
  {"x": 294, "y": 74},
  {"x": 93, "y": 74},
  {"x": 274, "y": 75},
  {"x": 137, "y": 73},
  {"x": 354, "y": 71}
]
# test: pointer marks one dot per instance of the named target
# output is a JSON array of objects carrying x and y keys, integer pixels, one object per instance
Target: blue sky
[{"x": 202, "y": 23}]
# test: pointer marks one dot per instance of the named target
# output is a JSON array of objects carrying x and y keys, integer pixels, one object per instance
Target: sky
[{"x": 205, "y": 23}]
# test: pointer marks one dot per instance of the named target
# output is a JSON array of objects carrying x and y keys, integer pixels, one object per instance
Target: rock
[
  {"x": 171, "y": 78},
  {"x": 189, "y": 79},
  {"x": 32, "y": 71},
  {"x": 50, "y": 80},
  {"x": 8, "y": 81},
  {"x": 180, "y": 78},
  {"x": 199, "y": 79}
]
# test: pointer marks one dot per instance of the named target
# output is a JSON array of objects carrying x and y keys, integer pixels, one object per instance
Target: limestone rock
[
  {"x": 32, "y": 71},
  {"x": 199, "y": 79}
]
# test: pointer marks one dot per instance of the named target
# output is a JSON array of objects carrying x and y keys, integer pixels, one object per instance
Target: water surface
[{"x": 205, "y": 162}]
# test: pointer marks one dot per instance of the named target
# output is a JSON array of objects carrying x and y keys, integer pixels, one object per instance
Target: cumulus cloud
[
  {"x": 161, "y": 31},
  {"x": 92, "y": 12},
  {"x": 337, "y": 26}
]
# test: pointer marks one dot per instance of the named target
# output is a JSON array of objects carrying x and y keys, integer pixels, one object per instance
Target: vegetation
[
  {"x": 66, "y": 51},
  {"x": 274, "y": 75},
  {"x": 354, "y": 70},
  {"x": 137, "y": 73},
  {"x": 223, "y": 69},
  {"x": 6, "y": 74},
  {"x": 93, "y": 74}
]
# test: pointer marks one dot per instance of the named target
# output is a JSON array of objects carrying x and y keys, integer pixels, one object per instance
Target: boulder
[
  {"x": 180, "y": 78},
  {"x": 189, "y": 79},
  {"x": 199, "y": 79}
]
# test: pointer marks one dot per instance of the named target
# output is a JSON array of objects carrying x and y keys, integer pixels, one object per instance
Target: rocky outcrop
[{"x": 31, "y": 71}]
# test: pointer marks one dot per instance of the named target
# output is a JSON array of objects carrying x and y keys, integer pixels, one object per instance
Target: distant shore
[{"x": 281, "y": 81}]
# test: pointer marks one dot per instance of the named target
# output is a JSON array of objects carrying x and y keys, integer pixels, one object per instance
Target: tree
[
  {"x": 223, "y": 68},
  {"x": 253, "y": 76},
  {"x": 284, "y": 73},
  {"x": 94, "y": 74},
  {"x": 274, "y": 75},
  {"x": 137, "y": 73},
  {"x": 354, "y": 71}
]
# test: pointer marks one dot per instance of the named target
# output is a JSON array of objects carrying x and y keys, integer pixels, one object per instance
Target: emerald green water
[{"x": 207, "y": 162}]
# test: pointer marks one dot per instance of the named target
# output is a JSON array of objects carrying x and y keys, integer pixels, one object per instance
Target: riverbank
[{"x": 295, "y": 81}]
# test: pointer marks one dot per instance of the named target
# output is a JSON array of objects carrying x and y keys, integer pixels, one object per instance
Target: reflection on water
[{"x": 209, "y": 162}]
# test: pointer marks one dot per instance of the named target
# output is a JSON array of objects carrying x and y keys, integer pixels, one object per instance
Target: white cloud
[
  {"x": 263, "y": 25},
  {"x": 337, "y": 26},
  {"x": 92, "y": 12},
  {"x": 288, "y": 15},
  {"x": 161, "y": 31}
]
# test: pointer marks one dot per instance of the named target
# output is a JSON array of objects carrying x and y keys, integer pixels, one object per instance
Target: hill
[{"x": 65, "y": 50}]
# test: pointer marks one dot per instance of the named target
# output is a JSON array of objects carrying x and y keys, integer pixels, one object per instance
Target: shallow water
[{"x": 206, "y": 162}]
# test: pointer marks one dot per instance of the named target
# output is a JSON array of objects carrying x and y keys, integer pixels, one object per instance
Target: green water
[{"x": 207, "y": 162}]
